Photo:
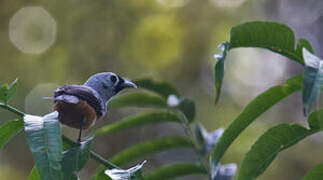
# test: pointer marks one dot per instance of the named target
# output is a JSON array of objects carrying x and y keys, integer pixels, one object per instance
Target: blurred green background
[{"x": 49, "y": 43}]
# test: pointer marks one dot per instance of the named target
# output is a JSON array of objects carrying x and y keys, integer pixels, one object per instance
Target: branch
[
  {"x": 93, "y": 155},
  {"x": 12, "y": 109},
  {"x": 103, "y": 161}
]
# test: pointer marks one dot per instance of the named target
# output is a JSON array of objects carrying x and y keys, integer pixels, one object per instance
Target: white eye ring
[{"x": 113, "y": 79}]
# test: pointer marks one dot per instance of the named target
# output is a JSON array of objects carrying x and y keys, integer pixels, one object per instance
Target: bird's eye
[{"x": 113, "y": 79}]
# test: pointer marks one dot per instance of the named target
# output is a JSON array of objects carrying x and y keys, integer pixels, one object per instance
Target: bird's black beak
[
  {"x": 124, "y": 83},
  {"x": 128, "y": 84}
]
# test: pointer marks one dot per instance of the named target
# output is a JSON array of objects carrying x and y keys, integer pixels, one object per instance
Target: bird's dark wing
[{"x": 74, "y": 93}]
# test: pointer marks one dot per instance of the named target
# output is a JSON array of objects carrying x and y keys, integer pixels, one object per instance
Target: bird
[{"x": 80, "y": 106}]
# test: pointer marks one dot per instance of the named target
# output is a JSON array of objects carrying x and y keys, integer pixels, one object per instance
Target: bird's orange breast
[{"x": 72, "y": 114}]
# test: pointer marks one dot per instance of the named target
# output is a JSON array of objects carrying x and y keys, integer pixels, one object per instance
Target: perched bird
[{"x": 80, "y": 106}]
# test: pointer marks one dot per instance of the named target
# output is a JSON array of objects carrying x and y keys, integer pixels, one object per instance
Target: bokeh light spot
[
  {"x": 156, "y": 43},
  {"x": 251, "y": 72},
  {"x": 172, "y": 3},
  {"x": 227, "y": 3},
  {"x": 32, "y": 30}
]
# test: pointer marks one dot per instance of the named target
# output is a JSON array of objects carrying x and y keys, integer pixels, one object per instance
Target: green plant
[
  {"x": 57, "y": 157},
  {"x": 279, "y": 39}
]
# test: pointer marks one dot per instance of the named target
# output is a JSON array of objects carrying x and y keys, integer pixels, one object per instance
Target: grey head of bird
[{"x": 108, "y": 84}]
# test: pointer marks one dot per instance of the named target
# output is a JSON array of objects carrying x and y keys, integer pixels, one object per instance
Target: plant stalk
[
  {"x": 93, "y": 155},
  {"x": 12, "y": 109}
]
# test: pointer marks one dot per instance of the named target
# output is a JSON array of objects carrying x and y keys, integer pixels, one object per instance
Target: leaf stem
[
  {"x": 93, "y": 155},
  {"x": 12, "y": 109},
  {"x": 103, "y": 161}
]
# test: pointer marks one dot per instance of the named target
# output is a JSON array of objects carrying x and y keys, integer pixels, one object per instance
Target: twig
[
  {"x": 93, "y": 155},
  {"x": 12, "y": 109},
  {"x": 103, "y": 161}
]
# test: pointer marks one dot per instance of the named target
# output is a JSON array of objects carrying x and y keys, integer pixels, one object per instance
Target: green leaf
[
  {"x": 44, "y": 139},
  {"x": 315, "y": 120},
  {"x": 145, "y": 148},
  {"x": 175, "y": 170},
  {"x": 314, "y": 174},
  {"x": 34, "y": 175},
  {"x": 266, "y": 148},
  {"x": 11, "y": 90},
  {"x": 149, "y": 147},
  {"x": 313, "y": 79},
  {"x": 162, "y": 88},
  {"x": 9, "y": 130},
  {"x": 140, "y": 99},
  {"x": 8, "y": 91},
  {"x": 133, "y": 173},
  {"x": 187, "y": 106},
  {"x": 273, "y": 36},
  {"x": 252, "y": 111},
  {"x": 74, "y": 159},
  {"x": 219, "y": 69},
  {"x": 69, "y": 144},
  {"x": 303, "y": 43},
  {"x": 140, "y": 119},
  {"x": 3, "y": 92}
]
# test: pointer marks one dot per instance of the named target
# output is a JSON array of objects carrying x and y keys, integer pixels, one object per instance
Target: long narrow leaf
[
  {"x": 138, "y": 99},
  {"x": 44, "y": 139},
  {"x": 219, "y": 69},
  {"x": 252, "y": 111},
  {"x": 8, "y": 130},
  {"x": 175, "y": 171},
  {"x": 149, "y": 147},
  {"x": 273, "y": 36},
  {"x": 314, "y": 174},
  {"x": 11, "y": 90},
  {"x": 266, "y": 148},
  {"x": 276, "y": 139},
  {"x": 162, "y": 88},
  {"x": 138, "y": 120},
  {"x": 8, "y": 91},
  {"x": 143, "y": 149}
]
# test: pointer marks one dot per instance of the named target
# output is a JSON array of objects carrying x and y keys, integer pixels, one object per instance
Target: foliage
[
  {"x": 75, "y": 158},
  {"x": 252, "y": 111},
  {"x": 7, "y": 91},
  {"x": 280, "y": 39},
  {"x": 44, "y": 139},
  {"x": 57, "y": 157},
  {"x": 175, "y": 170},
  {"x": 314, "y": 174},
  {"x": 219, "y": 68},
  {"x": 9, "y": 130}
]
